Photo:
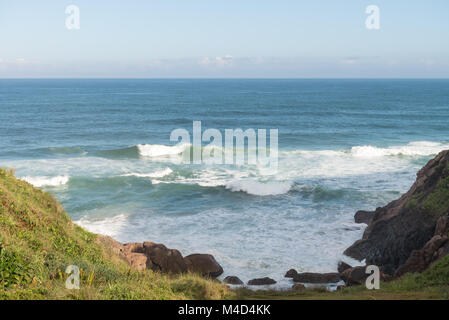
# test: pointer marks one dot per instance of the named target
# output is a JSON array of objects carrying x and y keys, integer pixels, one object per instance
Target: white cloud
[{"x": 217, "y": 61}]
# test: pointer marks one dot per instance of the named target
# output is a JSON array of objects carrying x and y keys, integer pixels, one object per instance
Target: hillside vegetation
[{"x": 38, "y": 241}]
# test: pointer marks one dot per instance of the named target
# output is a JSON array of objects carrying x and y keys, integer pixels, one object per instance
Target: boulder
[
  {"x": 137, "y": 261},
  {"x": 164, "y": 259},
  {"x": 298, "y": 287},
  {"x": 342, "y": 266},
  {"x": 408, "y": 223},
  {"x": 364, "y": 216},
  {"x": 354, "y": 276},
  {"x": 261, "y": 281},
  {"x": 204, "y": 264},
  {"x": 291, "y": 273},
  {"x": 309, "y": 277},
  {"x": 233, "y": 280}
]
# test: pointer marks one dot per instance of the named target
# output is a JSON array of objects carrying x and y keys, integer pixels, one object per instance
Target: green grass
[{"x": 437, "y": 203}]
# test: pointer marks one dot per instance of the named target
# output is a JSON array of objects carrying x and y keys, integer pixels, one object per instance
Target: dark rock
[
  {"x": 164, "y": 259},
  {"x": 342, "y": 266},
  {"x": 204, "y": 264},
  {"x": 298, "y": 287},
  {"x": 405, "y": 224},
  {"x": 419, "y": 260},
  {"x": 232, "y": 280},
  {"x": 291, "y": 273},
  {"x": 309, "y": 277},
  {"x": 354, "y": 276},
  {"x": 261, "y": 281},
  {"x": 364, "y": 216},
  {"x": 442, "y": 226}
]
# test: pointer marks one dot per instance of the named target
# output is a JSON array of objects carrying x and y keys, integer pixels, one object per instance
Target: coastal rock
[
  {"x": 354, "y": 276},
  {"x": 408, "y": 223},
  {"x": 233, "y": 280},
  {"x": 342, "y": 266},
  {"x": 298, "y": 287},
  {"x": 137, "y": 261},
  {"x": 419, "y": 260},
  {"x": 261, "y": 281},
  {"x": 309, "y": 277},
  {"x": 364, "y": 216},
  {"x": 164, "y": 259},
  {"x": 291, "y": 273},
  {"x": 204, "y": 264}
]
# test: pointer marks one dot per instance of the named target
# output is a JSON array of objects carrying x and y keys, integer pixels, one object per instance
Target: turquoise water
[{"x": 344, "y": 145}]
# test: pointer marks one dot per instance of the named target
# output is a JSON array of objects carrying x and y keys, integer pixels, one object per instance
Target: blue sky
[{"x": 217, "y": 39}]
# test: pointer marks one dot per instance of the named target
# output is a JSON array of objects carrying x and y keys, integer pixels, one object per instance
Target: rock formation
[{"x": 411, "y": 232}]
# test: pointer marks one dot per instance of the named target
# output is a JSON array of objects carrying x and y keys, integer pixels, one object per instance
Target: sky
[{"x": 224, "y": 39}]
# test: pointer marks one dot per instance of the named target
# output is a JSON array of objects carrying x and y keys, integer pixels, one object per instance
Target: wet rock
[
  {"x": 261, "y": 281},
  {"x": 309, "y": 277},
  {"x": 204, "y": 264},
  {"x": 233, "y": 280},
  {"x": 291, "y": 273}
]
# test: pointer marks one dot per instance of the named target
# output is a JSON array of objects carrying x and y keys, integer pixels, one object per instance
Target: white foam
[
  {"x": 258, "y": 188},
  {"x": 107, "y": 226},
  {"x": 417, "y": 148},
  {"x": 157, "y": 174},
  {"x": 47, "y": 181},
  {"x": 158, "y": 150}
]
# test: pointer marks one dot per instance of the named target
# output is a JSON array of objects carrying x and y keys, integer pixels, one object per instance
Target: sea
[{"x": 102, "y": 148}]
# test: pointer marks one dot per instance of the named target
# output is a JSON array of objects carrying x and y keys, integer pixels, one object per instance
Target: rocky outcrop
[
  {"x": 364, "y": 216},
  {"x": 261, "y": 281},
  {"x": 233, "y": 280},
  {"x": 399, "y": 231},
  {"x": 157, "y": 257},
  {"x": 291, "y": 273},
  {"x": 342, "y": 266},
  {"x": 204, "y": 264},
  {"x": 309, "y": 277}
]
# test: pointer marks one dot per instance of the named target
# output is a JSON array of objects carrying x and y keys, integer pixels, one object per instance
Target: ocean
[{"x": 102, "y": 148}]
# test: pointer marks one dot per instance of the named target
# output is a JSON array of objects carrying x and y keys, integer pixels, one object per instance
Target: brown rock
[
  {"x": 204, "y": 264},
  {"x": 442, "y": 226},
  {"x": 164, "y": 259},
  {"x": 340, "y": 287},
  {"x": 137, "y": 261},
  {"x": 354, "y": 276},
  {"x": 261, "y": 281},
  {"x": 419, "y": 260},
  {"x": 232, "y": 280},
  {"x": 342, "y": 266},
  {"x": 298, "y": 287},
  {"x": 291, "y": 273},
  {"x": 309, "y": 277},
  {"x": 364, "y": 216}
]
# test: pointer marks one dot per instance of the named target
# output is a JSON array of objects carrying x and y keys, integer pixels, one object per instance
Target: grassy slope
[{"x": 38, "y": 241}]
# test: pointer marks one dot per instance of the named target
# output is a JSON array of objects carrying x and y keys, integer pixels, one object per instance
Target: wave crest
[{"x": 47, "y": 181}]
